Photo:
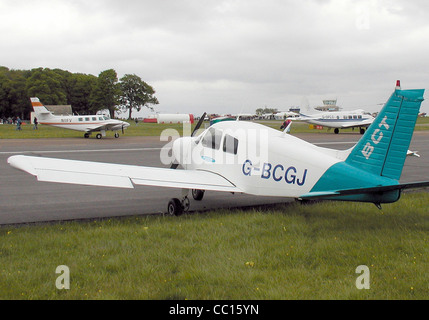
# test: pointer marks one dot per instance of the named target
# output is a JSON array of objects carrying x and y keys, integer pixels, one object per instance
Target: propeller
[
  {"x": 200, "y": 122},
  {"x": 174, "y": 165}
]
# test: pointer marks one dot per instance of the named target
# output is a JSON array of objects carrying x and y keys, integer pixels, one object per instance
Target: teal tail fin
[{"x": 383, "y": 148}]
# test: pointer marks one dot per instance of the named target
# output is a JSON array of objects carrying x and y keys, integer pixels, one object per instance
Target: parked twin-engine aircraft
[
  {"x": 337, "y": 119},
  {"x": 87, "y": 123},
  {"x": 245, "y": 157}
]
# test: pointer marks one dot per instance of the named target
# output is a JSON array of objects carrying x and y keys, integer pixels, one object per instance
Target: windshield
[{"x": 212, "y": 139}]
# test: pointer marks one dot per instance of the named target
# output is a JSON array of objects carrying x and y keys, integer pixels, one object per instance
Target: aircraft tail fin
[
  {"x": 38, "y": 107},
  {"x": 383, "y": 148}
]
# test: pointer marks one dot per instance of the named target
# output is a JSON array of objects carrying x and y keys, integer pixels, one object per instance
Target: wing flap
[{"x": 118, "y": 175}]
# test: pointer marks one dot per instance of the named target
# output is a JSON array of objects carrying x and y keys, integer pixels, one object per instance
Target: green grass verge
[
  {"x": 281, "y": 252},
  {"x": 153, "y": 129}
]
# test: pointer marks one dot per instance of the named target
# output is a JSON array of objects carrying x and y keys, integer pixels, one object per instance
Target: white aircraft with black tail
[
  {"x": 86, "y": 123},
  {"x": 245, "y": 157}
]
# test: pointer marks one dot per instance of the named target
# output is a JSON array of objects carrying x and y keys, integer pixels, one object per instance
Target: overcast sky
[{"x": 229, "y": 56}]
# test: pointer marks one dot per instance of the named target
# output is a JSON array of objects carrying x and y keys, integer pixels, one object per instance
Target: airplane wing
[
  {"x": 107, "y": 126},
  {"x": 117, "y": 175},
  {"x": 326, "y": 195},
  {"x": 356, "y": 125}
]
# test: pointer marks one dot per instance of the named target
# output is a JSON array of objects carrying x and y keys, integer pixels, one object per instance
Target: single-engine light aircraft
[
  {"x": 246, "y": 157},
  {"x": 86, "y": 123}
]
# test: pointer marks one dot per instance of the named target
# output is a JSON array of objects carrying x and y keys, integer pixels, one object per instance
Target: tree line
[{"x": 87, "y": 94}]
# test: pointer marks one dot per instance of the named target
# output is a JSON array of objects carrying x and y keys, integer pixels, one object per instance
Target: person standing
[
  {"x": 35, "y": 123},
  {"x": 18, "y": 124}
]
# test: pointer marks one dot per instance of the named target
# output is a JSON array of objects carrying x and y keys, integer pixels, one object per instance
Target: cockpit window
[
  {"x": 212, "y": 139},
  {"x": 230, "y": 144}
]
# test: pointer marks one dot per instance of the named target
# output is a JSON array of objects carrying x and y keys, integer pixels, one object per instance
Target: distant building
[
  {"x": 295, "y": 109},
  {"x": 329, "y": 105}
]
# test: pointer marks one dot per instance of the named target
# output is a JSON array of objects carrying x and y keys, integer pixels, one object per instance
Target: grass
[
  {"x": 281, "y": 252},
  {"x": 153, "y": 129}
]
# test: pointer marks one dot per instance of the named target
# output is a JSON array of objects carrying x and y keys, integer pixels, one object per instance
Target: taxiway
[{"x": 25, "y": 200}]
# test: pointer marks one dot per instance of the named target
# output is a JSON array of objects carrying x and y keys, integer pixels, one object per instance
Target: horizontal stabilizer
[{"x": 337, "y": 194}]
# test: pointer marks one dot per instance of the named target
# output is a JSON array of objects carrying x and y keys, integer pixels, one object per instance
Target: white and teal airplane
[{"x": 245, "y": 157}]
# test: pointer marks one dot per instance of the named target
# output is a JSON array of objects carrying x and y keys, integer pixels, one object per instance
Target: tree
[
  {"x": 135, "y": 93},
  {"x": 81, "y": 88},
  {"x": 47, "y": 85},
  {"x": 261, "y": 111},
  {"x": 106, "y": 92}
]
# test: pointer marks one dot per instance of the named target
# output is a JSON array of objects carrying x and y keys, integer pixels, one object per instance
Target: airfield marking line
[
  {"x": 80, "y": 151},
  {"x": 336, "y": 142},
  {"x": 123, "y": 150}
]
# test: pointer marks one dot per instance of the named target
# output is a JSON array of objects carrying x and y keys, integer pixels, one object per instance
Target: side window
[
  {"x": 94, "y": 118},
  {"x": 212, "y": 139},
  {"x": 87, "y": 119},
  {"x": 80, "y": 119},
  {"x": 230, "y": 144}
]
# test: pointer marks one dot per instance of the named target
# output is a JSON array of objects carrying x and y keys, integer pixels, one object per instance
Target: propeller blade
[
  {"x": 200, "y": 122},
  {"x": 122, "y": 129},
  {"x": 174, "y": 165}
]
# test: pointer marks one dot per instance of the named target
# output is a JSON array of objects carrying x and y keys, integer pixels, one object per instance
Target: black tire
[
  {"x": 362, "y": 130},
  {"x": 116, "y": 135},
  {"x": 197, "y": 194},
  {"x": 86, "y": 135},
  {"x": 174, "y": 207},
  {"x": 337, "y": 131},
  {"x": 98, "y": 136}
]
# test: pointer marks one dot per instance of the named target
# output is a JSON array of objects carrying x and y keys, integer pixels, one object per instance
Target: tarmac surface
[{"x": 25, "y": 200}]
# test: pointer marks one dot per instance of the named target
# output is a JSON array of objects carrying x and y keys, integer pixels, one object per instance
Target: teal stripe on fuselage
[{"x": 343, "y": 176}]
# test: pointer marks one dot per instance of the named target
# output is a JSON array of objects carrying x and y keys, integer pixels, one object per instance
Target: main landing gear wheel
[
  {"x": 362, "y": 130},
  {"x": 86, "y": 135},
  {"x": 197, "y": 194},
  {"x": 337, "y": 131},
  {"x": 98, "y": 136},
  {"x": 176, "y": 207},
  {"x": 116, "y": 135}
]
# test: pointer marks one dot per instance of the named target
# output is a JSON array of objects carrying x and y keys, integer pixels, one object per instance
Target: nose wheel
[
  {"x": 197, "y": 194},
  {"x": 176, "y": 207}
]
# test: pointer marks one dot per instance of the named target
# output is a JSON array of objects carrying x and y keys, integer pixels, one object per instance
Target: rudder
[
  {"x": 38, "y": 107},
  {"x": 383, "y": 148}
]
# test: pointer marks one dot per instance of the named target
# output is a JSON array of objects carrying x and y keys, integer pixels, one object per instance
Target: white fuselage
[
  {"x": 257, "y": 159},
  {"x": 341, "y": 119}
]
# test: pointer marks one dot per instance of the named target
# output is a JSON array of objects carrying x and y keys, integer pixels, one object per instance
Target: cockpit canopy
[{"x": 215, "y": 139}]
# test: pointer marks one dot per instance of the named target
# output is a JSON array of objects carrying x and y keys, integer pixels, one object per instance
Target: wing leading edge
[{"x": 118, "y": 175}]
